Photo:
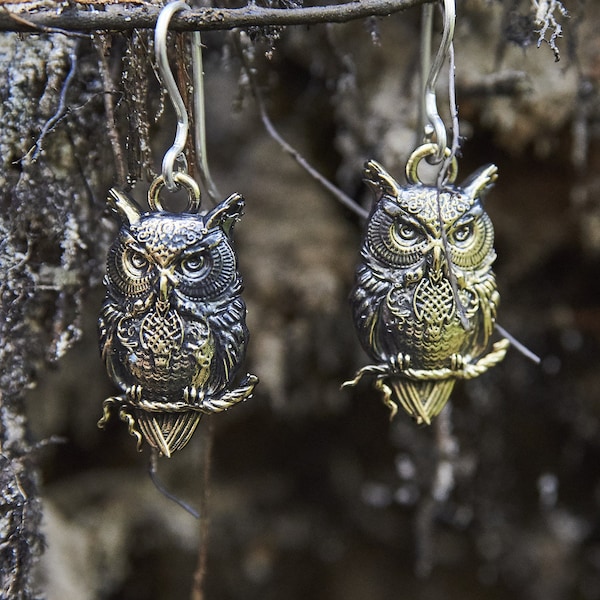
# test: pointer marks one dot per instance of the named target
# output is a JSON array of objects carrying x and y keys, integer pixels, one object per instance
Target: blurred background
[{"x": 313, "y": 492}]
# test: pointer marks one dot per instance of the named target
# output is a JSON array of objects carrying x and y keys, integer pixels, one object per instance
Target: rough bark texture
[
  {"x": 46, "y": 258},
  {"x": 314, "y": 494}
]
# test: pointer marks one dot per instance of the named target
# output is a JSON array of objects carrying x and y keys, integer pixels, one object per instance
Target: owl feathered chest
[
  {"x": 424, "y": 321},
  {"x": 421, "y": 318},
  {"x": 159, "y": 348}
]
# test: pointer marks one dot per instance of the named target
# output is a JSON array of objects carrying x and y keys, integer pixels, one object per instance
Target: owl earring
[
  {"x": 172, "y": 328},
  {"x": 425, "y": 296}
]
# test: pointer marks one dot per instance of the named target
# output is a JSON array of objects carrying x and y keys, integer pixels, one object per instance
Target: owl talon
[
  {"x": 131, "y": 427},
  {"x": 457, "y": 362},
  {"x": 192, "y": 395},
  {"x": 400, "y": 362},
  {"x": 134, "y": 393}
]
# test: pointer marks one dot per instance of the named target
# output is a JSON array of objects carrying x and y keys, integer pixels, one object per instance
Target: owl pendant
[
  {"x": 425, "y": 296},
  {"x": 172, "y": 327}
]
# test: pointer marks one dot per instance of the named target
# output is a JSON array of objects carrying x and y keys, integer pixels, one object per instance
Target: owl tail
[
  {"x": 422, "y": 400},
  {"x": 167, "y": 432}
]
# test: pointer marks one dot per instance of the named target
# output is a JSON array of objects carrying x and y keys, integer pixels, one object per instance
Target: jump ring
[
  {"x": 181, "y": 179},
  {"x": 422, "y": 152}
]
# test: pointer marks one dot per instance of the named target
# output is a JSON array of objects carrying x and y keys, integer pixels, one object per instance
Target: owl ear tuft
[
  {"x": 226, "y": 214},
  {"x": 380, "y": 180},
  {"x": 480, "y": 181},
  {"x": 124, "y": 206}
]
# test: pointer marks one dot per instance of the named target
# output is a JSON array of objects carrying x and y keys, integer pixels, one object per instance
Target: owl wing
[
  {"x": 488, "y": 300},
  {"x": 107, "y": 326},
  {"x": 368, "y": 301},
  {"x": 229, "y": 336}
]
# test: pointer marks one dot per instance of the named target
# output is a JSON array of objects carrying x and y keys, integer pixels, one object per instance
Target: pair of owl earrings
[{"x": 173, "y": 329}]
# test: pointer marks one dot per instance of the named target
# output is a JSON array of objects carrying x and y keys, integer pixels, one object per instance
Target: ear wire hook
[
  {"x": 175, "y": 152},
  {"x": 435, "y": 125}
]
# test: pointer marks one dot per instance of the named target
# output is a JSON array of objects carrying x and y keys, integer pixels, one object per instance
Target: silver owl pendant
[
  {"x": 425, "y": 297},
  {"x": 172, "y": 327}
]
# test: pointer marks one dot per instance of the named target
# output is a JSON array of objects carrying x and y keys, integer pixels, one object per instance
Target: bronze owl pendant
[
  {"x": 172, "y": 327},
  {"x": 425, "y": 296}
]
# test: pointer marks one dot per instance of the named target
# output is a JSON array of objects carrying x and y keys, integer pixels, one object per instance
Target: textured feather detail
[
  {"x": 422, "y": 400},
  {"x": 172, "y": 328},
  {"x": 425, "y": 298}
]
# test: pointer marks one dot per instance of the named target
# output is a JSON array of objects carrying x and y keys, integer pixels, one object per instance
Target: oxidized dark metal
[
  {"x": 425, "y": 295},
  {"x": 172, "y": 328}
]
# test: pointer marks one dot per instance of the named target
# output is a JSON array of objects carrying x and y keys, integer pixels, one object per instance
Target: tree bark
[{"x": 46, "y": 258}]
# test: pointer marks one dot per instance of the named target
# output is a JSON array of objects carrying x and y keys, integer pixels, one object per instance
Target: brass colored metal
[
  {"x": 425, "y": 297},
  {"x": 172, "y": 328},
  {"x": 424, "y": 151},
  {"x": 182, "y": 179}
]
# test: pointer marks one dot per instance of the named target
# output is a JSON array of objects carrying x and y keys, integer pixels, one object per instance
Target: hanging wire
[
  {"x": 435, "y": 125},
  {"x": 435, "y": 134},
  {"x": 175, "y": 154},
  {"x": 199, "y": 118},
  {"x": 425, "y": 53}
]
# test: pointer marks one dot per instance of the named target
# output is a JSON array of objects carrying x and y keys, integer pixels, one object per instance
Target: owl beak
[
  {"x": 438, "y": 260},
  {"x": 166, "y": 283}
]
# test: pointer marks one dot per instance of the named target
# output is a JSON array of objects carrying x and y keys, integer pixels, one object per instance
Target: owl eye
[
  {"x": 471, "y": 242},
  {"x": 208, "y": 272},
  {"x": 464, "y": 233},
  {"x": 135, "y": 263},
  {"x": 393, "y": 239},
  {"x": 129, "y": 271},
  {"x": 405, "y": 232},
  {"x": 193, "y": 265}
]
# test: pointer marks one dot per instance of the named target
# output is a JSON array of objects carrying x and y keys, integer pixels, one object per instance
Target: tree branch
[
  {"x": 122, "y": 18},
  {"x": 288, "y": 148}
]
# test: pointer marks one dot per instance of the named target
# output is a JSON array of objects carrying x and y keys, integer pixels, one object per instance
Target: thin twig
[
  {"x": 61, "y": 109},
  {"x": 27, "y": 24},
  {"x": 442, "y": 484},
  {"x": 123, "y": 17},
  {"x": 442, "y": 177},
  {"x": 101, "y": 43},
  {"x": 200, "y": 573},
  {"x": 159, "y": 485},
  {"x": 199, "y": 118},
  {"x": 455, "y": 148},
  {"x": 272, "y": 131},
  {"x": 518, "y": 345}
]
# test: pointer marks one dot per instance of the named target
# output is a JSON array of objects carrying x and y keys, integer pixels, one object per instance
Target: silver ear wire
[
  {"x": 175, "y": 152},
  {"x": 435, "y": 125}
]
